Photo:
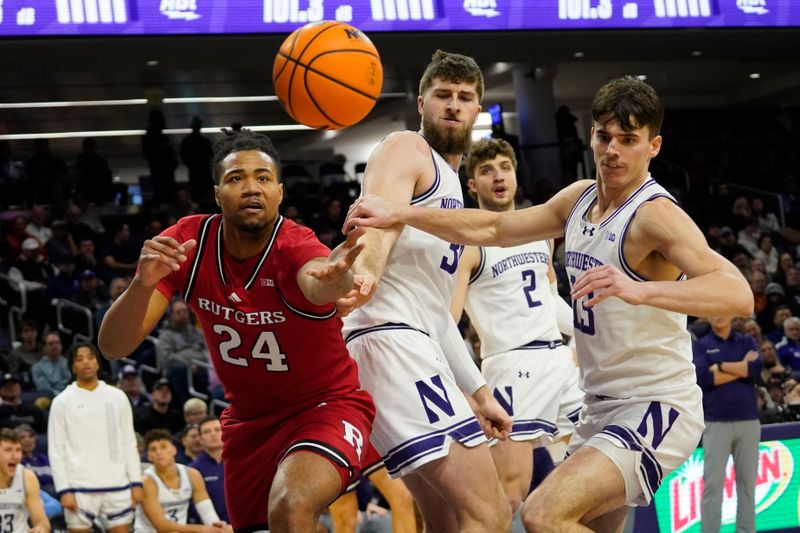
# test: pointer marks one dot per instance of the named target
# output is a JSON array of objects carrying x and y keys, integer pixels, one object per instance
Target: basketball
[{"x": 327, "y": 75}]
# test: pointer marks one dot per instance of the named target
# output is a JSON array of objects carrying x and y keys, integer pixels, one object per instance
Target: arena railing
[
  {"x": 17, "y": 311},
  {"x": 60, "y": 305},
  {"x": 769, "y": 194}
]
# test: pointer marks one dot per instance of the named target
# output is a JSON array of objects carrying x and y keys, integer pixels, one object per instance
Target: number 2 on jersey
[
  {"x": 276, "y": 361},
  {"x": 582, "y": 316},
  {"x": 528, "y": 289}
]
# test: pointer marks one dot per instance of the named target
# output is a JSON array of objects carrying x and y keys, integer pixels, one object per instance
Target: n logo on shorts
[
  {"x": 439, "y": 401},
  {"x": 655, "y": 416},
  {"x": 353, "y": 436},
  {"x": 507, "y": 404}
]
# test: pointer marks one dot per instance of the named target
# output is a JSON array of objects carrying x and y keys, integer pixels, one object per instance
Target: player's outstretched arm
[
  {"x": 714, "y": 288},
  {"x": 33, "y": 502},
  {"x": 324, "y": 281},
  {"x": 202, "y": 503},
  {"x": 134, "y": 314},
  {"x": 471, "y": 226}
]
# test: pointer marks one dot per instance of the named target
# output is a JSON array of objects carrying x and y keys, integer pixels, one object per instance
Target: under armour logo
[
  {"x": 524, "y": 374},
  {"x": 589, "y": 230}
]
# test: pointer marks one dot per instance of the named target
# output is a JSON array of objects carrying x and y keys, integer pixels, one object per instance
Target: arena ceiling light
[
  {"x": 143, "y": 101},
  {"x": 138, "y": 133}
]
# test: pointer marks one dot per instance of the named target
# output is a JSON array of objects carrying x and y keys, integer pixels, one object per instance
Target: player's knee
[
  {"x": 288, "y": 507},
  {"x": 498, "y": 519},
  {"x": 537, "y": 517}
]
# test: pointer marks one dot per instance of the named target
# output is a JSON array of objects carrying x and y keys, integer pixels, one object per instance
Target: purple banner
[{"x": 162, "y": 17}]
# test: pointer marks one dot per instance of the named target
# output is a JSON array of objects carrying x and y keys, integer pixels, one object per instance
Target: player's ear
[
  {"x": 655, "y": 146},
  {"x": 420, "y": 101},
  {"x": 216, "y": 195},
  {"x": 471, "y": 185}
]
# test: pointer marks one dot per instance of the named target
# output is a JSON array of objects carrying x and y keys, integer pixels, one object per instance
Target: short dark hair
[
  {"x": 455, "y": 68},
  {"x": 73, "y": 351},
  {"x": 488, "y": 149},
  {"x": 156, "y": 434},
  {"x": 241, "y": 140},
  {"x": 8, "y": 434},
  {"x": 206, "y": 419},
  {"x": 631, "y": 102},
  {"x": 30, "y": 324}
]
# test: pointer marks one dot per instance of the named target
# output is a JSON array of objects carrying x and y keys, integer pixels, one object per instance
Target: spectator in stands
[
  {"x": 92, "y": 448},
  {"x": 12, "y": 411},
  {"x": 767, "y": 253},
  {"x": 121, "y": 256},
  {"x": 789, "y": 348},
  {"x": 131, "y": 384},
  {"x": 51, "y": 372},
  {"x": 196, "y": 155},
  {"x": 115, "y": 289},
  {"x": 95, "y": 181},
  {"x": 182, "y": 345},
  {"x": 61, "y": 244},
  {"x": 792, "y": 289},
  {"x": 24, "y": 356},
  {"x": 17, "y": 235},
  {"x": 36, "y": 227},
  {"x": 194, "y": 410},
  {"x": 79, "y": 229},
  {"x": 773, "y": 369},
  {"x": 32, "y": 265},
  {"x": 91, "y": 293},
  {"x": 727, "y": 364},
  {"x": 36, "y": 461},
  {"x": 62, "y": 285},
  {"x": 767, "y": 221},
  {"x": 209, "y": 463},
  {"x": 752, "y": 328},
  {"x": 758, "y": 284},
  {"x": 44, "y": 172},
  {"x": 160, "y": 156},
  {"x": 742, "y": 214},
  {"x": 181, "y": 205},
  {"x": 190, "y": 445},
  {"x": 779, "y": 315},
  {"x": 85, "y": 259},
  {"x": 748, "y": 236},
  {"x": 159, "y": 414},
  {"x": 726, "y": 242}
]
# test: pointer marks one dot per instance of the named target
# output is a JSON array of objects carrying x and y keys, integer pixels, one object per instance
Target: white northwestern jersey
[
  {"x": 175, "y": 502},
  {"x": 419, "y": 280},
  {"x": 509, "y": 299},
  {"x": 13, "y": 512},
  {"x": 624, "y": 350}
]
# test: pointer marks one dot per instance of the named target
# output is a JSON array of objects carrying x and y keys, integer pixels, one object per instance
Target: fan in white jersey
[
  {"x": 511, "y": 297},
  {"x": 169, "y": 487},
  {"x": 424, "y": 427},
  {"x": 20, "y": 501},
  {"x": 628, "y": 246}
]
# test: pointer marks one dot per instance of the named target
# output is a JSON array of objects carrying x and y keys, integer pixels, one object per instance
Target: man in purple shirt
[
  {"x": 209, "y": 463},
  {"x": 727, "y": 364}
]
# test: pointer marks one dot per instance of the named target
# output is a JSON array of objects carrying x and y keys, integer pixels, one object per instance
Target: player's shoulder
[
  {"x": 410, "y": 141},
  {"x": 291, "y": 234},
  {"x": 187, "y": 227}
]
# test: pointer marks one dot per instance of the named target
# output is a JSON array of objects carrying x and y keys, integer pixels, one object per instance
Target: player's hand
[
  {"x": 160, "y": 256},
  {"x": 373, "y": 211},
  {"x": 68, "y": 501},
  {"x": 39, "y": 529},
  {"x": 341, "y": 259},
  {"x": 606, "y": 281},
  {"x": 222, "y": 527},
  {"x": 364, "y": 286},
  {"x": 137, "y": 495},
  {"x": 750, "y": 356},
  {"x": 493, "y": 418},
  {"x": 373, "y": 510}
]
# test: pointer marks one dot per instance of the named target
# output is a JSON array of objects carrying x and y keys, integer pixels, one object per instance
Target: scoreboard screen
[{"x": 21, "y": 18}]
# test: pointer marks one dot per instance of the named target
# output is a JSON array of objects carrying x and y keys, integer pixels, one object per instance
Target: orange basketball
[{"x": 327, "y": 75}]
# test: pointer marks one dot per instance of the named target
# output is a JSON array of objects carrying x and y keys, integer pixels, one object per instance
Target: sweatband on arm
[
  {"x": 206, "y": 511},
  {"x": 468, "y": 376},
  {"x": 563, "y": 313}
]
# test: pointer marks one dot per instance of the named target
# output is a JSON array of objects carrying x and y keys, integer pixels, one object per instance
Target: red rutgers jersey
[{"x": 271, "y": 348}]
